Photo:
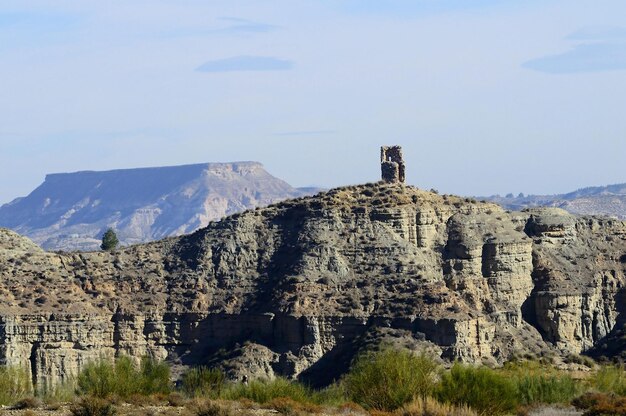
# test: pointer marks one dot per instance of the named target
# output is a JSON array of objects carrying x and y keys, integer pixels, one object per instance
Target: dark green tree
[{"x": 109, "y": 240}]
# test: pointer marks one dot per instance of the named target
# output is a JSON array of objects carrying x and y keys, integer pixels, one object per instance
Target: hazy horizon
[{"x": 486, "y": 97}]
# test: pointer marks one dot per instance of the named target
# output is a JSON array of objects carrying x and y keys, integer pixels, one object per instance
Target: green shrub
[
  {"x": 126, "y": 379},
  {"x": 203, "y": 381},
  {"x": 333, "y": 395},
  {"x": 122, "y": 378},
  {"x": 541, "y": 384},
  {"x": 388, "y": 379},
  {"x": 263, "y": 391},
  {"x": 155, "y": 377},
  {"x": 610, "y": 379},
  {"x": 484, "y": 390},
  {"x": 548, "y": 389},
  {"x": 109, "y": 240},
  {"x": 92, "y": 406},
  {"x": 97, "y": 379},
  {"x": 56, "y": 393},
  {"x": 14, "y": 384}
]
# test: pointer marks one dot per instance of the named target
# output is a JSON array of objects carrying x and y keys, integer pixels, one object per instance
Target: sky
[{"x": 486, "y": 97}]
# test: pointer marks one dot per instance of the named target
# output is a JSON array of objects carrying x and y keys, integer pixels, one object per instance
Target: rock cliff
[
  {"x": 299, "y": 287},
  {"x": 70, "y": 211}
]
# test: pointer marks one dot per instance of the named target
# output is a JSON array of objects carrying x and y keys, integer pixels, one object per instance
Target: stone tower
[{"x": 392, "y": 164}]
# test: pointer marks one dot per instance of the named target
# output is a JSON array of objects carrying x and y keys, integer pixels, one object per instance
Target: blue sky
[{"x": 487, "y": 96}]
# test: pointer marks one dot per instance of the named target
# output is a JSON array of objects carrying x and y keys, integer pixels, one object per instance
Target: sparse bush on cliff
[
  {"x": 14, "y": 384},
  {"x": 109, "y": 240},
  {"x": 486, "y": 391},
  {"x": 388, "y": 379},
  {"x": 122, "y": 378},
  {"x": 203, "y": 381}
]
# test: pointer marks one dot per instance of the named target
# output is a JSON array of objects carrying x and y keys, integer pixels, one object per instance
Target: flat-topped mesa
[{"x": 392, "y": 164}]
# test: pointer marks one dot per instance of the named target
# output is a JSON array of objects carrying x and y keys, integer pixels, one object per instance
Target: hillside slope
[
  {"x": 71, "y": 210},
  {"x": 297, "y": 288},
  {"x": 608, "y": 200}
]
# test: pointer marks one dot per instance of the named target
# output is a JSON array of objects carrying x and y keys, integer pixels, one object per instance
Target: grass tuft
[
  {"x": 386, "y": 380},
  {"x": 431, "y": 407},
  {"x": 610, "y": 379},
  {"x": 263, "y": 391},
  {"x": 14, "y": 384},
  {"x": 92, "y": 406},
  {"x": 203, "y": 381},
  {"x": 486, "y": 391},
  {"x": 104, "y": 379}
]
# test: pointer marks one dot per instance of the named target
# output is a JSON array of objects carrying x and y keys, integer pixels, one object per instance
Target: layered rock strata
[{"x": 298, "y": 288}]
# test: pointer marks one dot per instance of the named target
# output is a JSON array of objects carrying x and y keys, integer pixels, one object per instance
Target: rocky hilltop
[
  {"x": 70, "y": 211},
  {"x": 608, "y": 200},
  {"x": 299, "y": 287}
]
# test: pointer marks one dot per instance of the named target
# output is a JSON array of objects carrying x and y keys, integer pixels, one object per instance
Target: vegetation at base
[
  {"x": 601, "y": 404},
  {"x": 541, "y": 384},
  {"x": 92, "y": 406},
  {"x": 14, "y": 385},
  {"x": 27, "y": 403},
  {"x": 431, "y": 407},
  {"x": 123, "y": 378},
  {"x": 610, "y": 379},
  {"x": 210, "y": 408},
  {"x": 203, "y": 381},
  {"x": 387, "y": 379},
  {"x": 484, "y": 390},
  {"x": 109, "y": 240},
  {"x": 263, "y": 391},
  {"x": 287, "y": 406}
]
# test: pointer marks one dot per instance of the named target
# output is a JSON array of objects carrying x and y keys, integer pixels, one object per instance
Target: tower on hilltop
[{"x": 392, "y": 164}]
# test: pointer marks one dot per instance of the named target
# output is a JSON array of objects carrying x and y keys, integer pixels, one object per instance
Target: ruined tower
[{"x": 392, "y": 164}]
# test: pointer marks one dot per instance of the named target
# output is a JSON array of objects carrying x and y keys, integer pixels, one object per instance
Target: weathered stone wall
[{"x": 392, "y": 164}]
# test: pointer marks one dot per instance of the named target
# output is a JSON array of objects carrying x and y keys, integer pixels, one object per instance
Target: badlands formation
[{"x": 298, "y": 288}]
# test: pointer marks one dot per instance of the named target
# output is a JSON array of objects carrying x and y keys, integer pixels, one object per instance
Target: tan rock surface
[{"x": 298, "y": 288}]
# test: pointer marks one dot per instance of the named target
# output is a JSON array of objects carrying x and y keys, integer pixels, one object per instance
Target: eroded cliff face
[{"x": 296, "y": 289}]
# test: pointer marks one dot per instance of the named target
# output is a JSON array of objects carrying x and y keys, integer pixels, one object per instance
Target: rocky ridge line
[{"x": 297, "y": 288}]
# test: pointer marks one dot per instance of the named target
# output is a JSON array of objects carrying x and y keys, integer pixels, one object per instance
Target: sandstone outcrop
[{"x": 297, "y": 288}]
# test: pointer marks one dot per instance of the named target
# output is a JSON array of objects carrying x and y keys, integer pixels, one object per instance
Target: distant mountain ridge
[
  {"x": 70, "y": 211},
  {"x": 607, "y": 200}
]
